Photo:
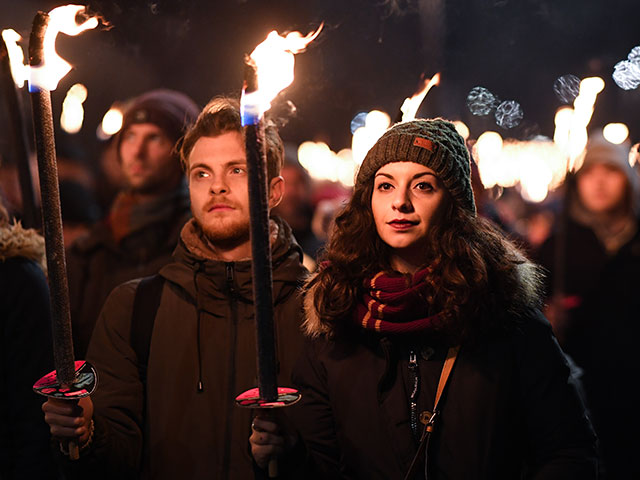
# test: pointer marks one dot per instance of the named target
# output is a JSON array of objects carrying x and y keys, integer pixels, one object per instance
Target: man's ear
[{"x": 276, "y": 191}]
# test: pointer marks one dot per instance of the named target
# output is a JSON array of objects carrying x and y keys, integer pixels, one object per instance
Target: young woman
[{"x": 419, "y": 301}]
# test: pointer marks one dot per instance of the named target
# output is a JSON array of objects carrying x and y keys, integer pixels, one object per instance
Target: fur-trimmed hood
[
  {"x": 16, "y": 241},
  {"x": 529, "y": 275}
]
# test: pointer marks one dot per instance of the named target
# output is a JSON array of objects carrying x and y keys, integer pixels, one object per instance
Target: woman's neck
[{"x": 404, "y": 263}]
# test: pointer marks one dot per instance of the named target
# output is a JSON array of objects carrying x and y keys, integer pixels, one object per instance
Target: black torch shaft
[
  {"x": 261, "y": 252},
  {"x": 51, "y": 214},
  {"x": 18, "y": 140}
]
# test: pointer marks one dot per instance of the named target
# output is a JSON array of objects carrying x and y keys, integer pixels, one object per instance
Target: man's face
[
  {"x": 602, "y": 188},
  {"x": 296, "y": 208},
  {"x": 218, "y": 187},
  {"x": 147, "y": 160}
]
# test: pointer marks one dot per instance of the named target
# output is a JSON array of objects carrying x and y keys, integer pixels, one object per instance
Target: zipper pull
[
  {"x": 413, "y": 398},
  {"x": 229, "y": 271}
]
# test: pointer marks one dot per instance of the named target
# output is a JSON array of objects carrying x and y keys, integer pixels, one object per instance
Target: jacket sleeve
[
  {"x": 119, "y": 396},
  {"x": 313, "y": 418},
  {"x": 25, "y": 356},
  {"x": 562, "y": 443}
]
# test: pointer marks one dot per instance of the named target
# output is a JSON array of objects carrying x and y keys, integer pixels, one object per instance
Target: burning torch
[
  {"x": 410, "y": 106},
  {"x": 269, "y": 69},
  {"x": 13, "y": 71},
  {"x": 70, "y": 380}
]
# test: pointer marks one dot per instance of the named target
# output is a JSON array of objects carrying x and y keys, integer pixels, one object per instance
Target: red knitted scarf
[{"x": 396, "y": 304}]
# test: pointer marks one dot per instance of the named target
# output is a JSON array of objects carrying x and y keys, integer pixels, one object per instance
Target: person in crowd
[
  {"x": 25, "y": 353},
  {"x": 428, "y": 355},
  {"x": 593, "y": 264},
  {"x": 297, "y": 208},
  {"x": 173, "y": 350},
  {"x": 140, "y": 231}
]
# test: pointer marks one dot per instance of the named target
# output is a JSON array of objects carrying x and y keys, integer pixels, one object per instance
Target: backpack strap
[{"x": 145, "y": 306}]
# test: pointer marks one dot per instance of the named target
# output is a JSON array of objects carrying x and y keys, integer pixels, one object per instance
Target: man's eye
[
  {"x": 200, "y": 174},
  {"x": 237, "y": 170}
]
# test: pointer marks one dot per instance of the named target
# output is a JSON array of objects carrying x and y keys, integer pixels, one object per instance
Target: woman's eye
[
  {"x": 426, "y": 186},
  {"x": 237, "y": 170},
  {"x": 384, "y": 186}
]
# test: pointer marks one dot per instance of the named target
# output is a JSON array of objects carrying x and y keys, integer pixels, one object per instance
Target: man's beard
[{"x": 225, "y": 235}]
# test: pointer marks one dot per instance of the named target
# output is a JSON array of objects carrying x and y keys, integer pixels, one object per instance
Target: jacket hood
[
  {"x": 194, "y": 259},
  {"x": 16, "y": 241},
  {"x": 528, "y": 296}
]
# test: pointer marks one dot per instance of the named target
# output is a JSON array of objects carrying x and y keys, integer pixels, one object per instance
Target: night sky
[{"x": 369, "y": 55}]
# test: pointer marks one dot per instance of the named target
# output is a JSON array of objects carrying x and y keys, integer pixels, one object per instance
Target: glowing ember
[
  {"x": 462, "y": 129},
  {"x": 571, "y": 124},
  {"x": 376, "y": 123},
  {"x": 509, "y": 114},
  {"x": 72, "y": 111},
  {"x": 567, "y": 88},
  {"x": 274, "y": 61},
  {"x": 410, "y": 106},
  {"x": 324, "y": 164},
  {"x": 535, "y": 167},
  {"x": 481, "y": 101},
  {"x": 634, "y": 153},
  {"x": 112, "y": 121},
  {"x": 626, "y": 73},
  {"x": 19, "y": 70},
  {"x": 487, "y": 151},
  {"x": 615, "y": 132},
  {"x": 54, "y": 68},
  {"x": 358, "y": 121}
]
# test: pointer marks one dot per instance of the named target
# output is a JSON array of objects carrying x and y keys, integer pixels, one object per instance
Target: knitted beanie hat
[
  {"x": 170, "y": 110},
  {"x": 601, "y": 151},
  {"x": 433, "y": 143}
]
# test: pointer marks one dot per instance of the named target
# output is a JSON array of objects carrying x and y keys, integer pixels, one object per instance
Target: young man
[
  {"x": 141, "y": 230},
  {"x": 182, "y": 421}
]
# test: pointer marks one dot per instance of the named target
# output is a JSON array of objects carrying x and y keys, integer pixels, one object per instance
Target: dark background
[{"x": 369, "y": 55}]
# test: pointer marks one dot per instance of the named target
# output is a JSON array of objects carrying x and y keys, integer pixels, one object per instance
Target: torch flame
[
  {"x": 72, "y": 110},
  {"x": 410, "y": 106},
  {"x": 274, "y": 61},
  {"x": 54, "y": 68},
  {"x": 19, "y": 71}
]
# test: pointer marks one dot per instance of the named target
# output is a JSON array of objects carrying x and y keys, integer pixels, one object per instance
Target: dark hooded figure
[
  {"x": 25, "y": 353},
  {"x": 594, "y": 291},
  {"x": 427, "y": 355}
]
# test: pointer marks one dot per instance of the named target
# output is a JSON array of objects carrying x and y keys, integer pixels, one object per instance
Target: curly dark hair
[{"x": 479, "y": 275}]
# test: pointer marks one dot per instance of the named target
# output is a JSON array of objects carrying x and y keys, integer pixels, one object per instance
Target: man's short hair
[{"x": 222, "y": 115}]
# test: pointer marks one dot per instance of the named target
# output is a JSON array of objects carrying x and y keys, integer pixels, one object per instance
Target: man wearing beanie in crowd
[
  {"x": 142, "y": 227},
  {"x": 595, "y": 310},
  {"x": 173, "y": 350}
]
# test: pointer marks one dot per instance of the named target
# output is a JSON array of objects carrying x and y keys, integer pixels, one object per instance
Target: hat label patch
[{"x": 423, "y": 143}]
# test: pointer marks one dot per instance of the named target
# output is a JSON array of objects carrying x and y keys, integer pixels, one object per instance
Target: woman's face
[
  {"x": 405, "y": 202},
  {"x": 602, "y": 188}
]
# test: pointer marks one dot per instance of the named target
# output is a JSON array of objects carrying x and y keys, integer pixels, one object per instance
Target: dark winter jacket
[
  {"x": 602, "y": 310},
  {"x": 25, "y": 355},
  {"x": 97, "y": 264},
  {"x": 510, "y": 410},
  {"x": 204, "y": 332}
]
